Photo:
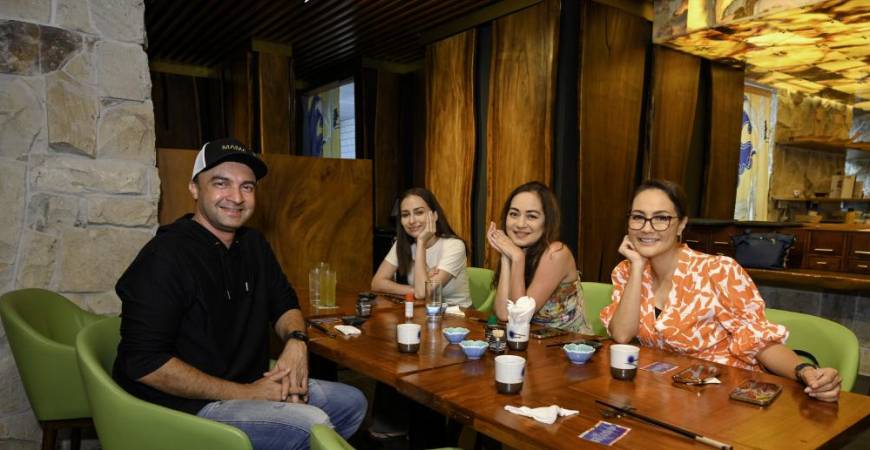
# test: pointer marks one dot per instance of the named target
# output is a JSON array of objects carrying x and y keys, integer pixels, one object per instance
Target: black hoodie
[{"x": 189, "y": 296}]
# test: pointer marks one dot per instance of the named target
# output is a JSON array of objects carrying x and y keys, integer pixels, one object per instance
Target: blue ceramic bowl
[
  {"x": 473, "y": 349},
  {"x": 578, "y": 353},
  {"x": 455, "y": 334}
]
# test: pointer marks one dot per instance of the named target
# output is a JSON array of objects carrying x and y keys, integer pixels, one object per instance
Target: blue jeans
[{"x": 278, "y": 425}]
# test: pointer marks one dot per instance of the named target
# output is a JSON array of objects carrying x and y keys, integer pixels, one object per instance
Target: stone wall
[
  {"x": 800, "y": 116},
  {"x": 77, "y": 162}
]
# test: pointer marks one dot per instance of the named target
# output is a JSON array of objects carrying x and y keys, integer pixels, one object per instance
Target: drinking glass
[
  {"x": 434, "y": 299},
  {"x": 314, "y": 287}
]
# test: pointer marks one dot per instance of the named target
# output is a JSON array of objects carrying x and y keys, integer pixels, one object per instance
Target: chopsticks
[
  {"x": 320, "y": 327},
  {"x": 689, "y": 434}
]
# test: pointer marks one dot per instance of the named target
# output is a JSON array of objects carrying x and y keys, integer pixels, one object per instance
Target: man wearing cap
[{"x": 196, "y": 303}]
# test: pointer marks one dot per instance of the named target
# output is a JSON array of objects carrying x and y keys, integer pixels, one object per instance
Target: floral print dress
[
  {"x": 713, "y": 312},
  {"x": 565, "y": 309}
]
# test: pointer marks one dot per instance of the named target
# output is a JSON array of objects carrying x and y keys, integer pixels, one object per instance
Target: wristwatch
[
  {"x": 299, "y": 335},
  {"x": 802, "y": 366}
]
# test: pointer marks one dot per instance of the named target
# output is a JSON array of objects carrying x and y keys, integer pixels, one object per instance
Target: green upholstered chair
[
  {"x": 480, "y": 287},
  {"x": 832, "y": 344},
  {"x": 596, "y": 296},
  {"x": 324, "y": 438},
  {"x": 126, "y": 422},
  {"x": 41, "y": 327}
]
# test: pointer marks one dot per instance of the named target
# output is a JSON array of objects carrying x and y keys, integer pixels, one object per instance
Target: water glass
[
  {"x": 314, "y": 287},
  {"x": 434, "y": 301}
]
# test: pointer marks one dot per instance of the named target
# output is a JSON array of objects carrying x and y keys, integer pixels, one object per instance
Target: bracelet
[{"x": 798, "y": 368}]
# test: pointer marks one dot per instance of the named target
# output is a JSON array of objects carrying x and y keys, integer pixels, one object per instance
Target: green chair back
[
  {"x": 480, "y": 288},
  {"x": 596, "y": 296},
  {"x": 128, "y": 423},
  {"x": 832, "y": 344},
  {"x": 324, "y": 438},
  {"x": 41, "y": 327}
]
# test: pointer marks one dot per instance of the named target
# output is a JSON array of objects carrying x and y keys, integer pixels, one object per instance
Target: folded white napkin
[
  {"x": 544, "y": 414},
  {"x": 348, "y": 330},
  {"x": 521, "y": 310},
  {"x": 454, "y": 311}
]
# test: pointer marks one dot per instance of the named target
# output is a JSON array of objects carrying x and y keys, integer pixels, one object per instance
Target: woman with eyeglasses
[{"x": 677, "y": 299}]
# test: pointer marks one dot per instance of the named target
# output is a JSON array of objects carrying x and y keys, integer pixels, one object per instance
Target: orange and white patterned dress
[{"x": 714, "y": 311}]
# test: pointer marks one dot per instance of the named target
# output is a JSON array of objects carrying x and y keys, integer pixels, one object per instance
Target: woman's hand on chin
[
  {"x": 502, "y": 243},
  {"x": 428, "y": 229},
  {"x": 626, "y": 248}
]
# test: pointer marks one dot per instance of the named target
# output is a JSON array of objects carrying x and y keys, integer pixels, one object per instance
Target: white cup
[
  {"x": 408, "y": 337},
  {"x": 623, "y": 361},
  {"x": 518, "y": 335},
  {"x": 510, "y": 371}
]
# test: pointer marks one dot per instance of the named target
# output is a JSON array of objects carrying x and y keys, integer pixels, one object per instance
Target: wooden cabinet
[
  {"x": 858, "y": 266},
  {"x": 697, "y": 238},
  {"x": 859, "y": 245},
  {"x": 827, "y": 243},
  {"x": 829, "y": 263},
  {"x": 825, "y": 250},
  {"x": 840, "y": 250},
  {"x": 720, "y": 241}
]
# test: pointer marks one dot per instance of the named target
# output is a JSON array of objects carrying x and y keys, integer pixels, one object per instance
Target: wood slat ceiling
[{"x": 322, "y": 32}]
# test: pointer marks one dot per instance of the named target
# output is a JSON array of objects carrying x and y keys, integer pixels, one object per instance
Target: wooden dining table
[{"x": 441, "y": 377}]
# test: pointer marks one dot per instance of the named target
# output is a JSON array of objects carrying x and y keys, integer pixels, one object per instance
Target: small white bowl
[
  {"x": 578, "y": 353},
  {"x": 474, "y": 349},
  {"x": 455, "y": 334}
]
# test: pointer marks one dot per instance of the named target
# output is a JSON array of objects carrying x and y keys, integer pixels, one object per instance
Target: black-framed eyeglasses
[{"x": 658, "y": 222}]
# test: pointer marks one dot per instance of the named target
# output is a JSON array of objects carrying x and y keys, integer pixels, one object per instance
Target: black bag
[{"x": 762, "y": 250}]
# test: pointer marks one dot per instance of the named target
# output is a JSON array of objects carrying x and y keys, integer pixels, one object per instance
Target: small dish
[
  {"x": 455, "y": 334},
  {"x": 473, "y": 349},
  {"x": 578, "y": 353}
]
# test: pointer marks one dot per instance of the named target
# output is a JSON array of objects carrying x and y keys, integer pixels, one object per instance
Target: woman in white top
[{"x": 426, "y": 248}]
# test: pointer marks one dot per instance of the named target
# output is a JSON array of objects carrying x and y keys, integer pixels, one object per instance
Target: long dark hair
[
  {"x": 552, "y": 219},
  {"x": 673, "y": 190},
  {"x": 403, "y": 241}
]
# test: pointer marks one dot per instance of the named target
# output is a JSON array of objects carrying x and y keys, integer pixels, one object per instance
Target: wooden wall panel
[
  {"x": 310, "y": 210},
  {"x": 238, "y": 91},
  {"x": 672, "y": 113},
  {"x": 613, "y": 53},
  {"x": 174, "y": 167},
  {"x": 726, "y": 114},
  {"x": 274, "y": 90},
  {"x": 388, "y": 174},
  {"x": 176, "y": 110},
  {"x": 450, "y": 128},
  {"x": 522, "y": 88}
]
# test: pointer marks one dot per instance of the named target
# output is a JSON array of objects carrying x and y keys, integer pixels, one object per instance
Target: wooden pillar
[
  {"x": 613, "y": 57},
  {"x": 726, "y": 116},
  {"x": 673, "y": 107},
  {"x": 450, "y": 128},
  {"x": 274, "y": 94},
  {"x": 521, "y": 102},
  {"x": 239, "y": 88}
]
